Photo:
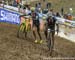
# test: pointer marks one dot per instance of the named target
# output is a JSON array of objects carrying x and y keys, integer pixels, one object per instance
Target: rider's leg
[
  {"x": 57, "y": 28},
  {"x": 52, "y": 40},
  {"x": 38, "y": 31},
  {"x": 45, "y": 32},
  {"x": 33, "y": 28},
  {"x": 34, "y": 34}
]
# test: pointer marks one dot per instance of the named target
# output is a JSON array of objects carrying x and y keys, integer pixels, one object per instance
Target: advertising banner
[{"x": 8, "y": 16}]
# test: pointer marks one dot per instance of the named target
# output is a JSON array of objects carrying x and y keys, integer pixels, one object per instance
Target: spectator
[
  {"x": 65, "y": 16},
  {"x": 39, "y": 5},
  {"x": 51, "y": 12},
  {"x": 48, "y": 5},
  {"x": 70, "y": 17},
  {"x": 62, "y": 10},
  {"x": 57, "y": 14}
]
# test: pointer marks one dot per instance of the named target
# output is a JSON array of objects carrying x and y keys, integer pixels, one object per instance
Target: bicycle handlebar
[
  {"x": 50, "y": 30},
  {"x": 26, "y": 16}
]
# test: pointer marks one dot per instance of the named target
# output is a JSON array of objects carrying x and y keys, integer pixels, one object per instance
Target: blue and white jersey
[
  {"x": 40, "y": 15},
  {"x": 27, "y": 12}
]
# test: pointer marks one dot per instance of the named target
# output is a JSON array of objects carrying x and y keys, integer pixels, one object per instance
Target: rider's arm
[
  {"x": 22, "y": 15},
  {"x": 57, "y": 25}
]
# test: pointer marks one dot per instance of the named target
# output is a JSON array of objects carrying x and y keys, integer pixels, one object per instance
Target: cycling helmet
[{"x": 32, "y": 8}]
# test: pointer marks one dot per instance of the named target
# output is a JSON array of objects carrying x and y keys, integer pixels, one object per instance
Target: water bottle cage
[{"x": 49, "y": 30}]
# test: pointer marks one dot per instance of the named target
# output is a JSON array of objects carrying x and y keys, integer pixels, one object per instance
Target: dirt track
[{"x": 13, "y": 48}]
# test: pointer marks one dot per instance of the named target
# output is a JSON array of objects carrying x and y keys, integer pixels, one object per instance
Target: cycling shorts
[{"x": 36, "y": 23}]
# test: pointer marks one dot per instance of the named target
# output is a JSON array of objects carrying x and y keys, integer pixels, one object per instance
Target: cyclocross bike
[
  {"x": 24, "y": 27},
  {"x": 50, "y": 41}
]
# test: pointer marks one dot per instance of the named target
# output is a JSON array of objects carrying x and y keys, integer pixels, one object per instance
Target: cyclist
[
  {"x": 57, "y": 23},
  {"x": 36, "y": 24},
  {"x": 51, "y": 22}
]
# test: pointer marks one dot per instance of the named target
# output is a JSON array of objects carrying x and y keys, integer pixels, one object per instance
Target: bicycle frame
[
  {"x": 27, "y": 22},
  {"x": 25, "y": 26}
]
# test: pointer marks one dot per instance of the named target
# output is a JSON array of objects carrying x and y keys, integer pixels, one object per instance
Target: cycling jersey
[
  {"x": 35, "y": 18},
  {"x": 51, "y": 22},
  {"x": 36, "y": 23}
]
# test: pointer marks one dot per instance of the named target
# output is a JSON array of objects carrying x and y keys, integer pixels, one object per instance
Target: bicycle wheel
[
  {"x": 22, "y": 31},
  {"x": 49, "y": 41}
]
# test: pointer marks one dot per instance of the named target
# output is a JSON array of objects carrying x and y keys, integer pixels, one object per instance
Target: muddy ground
[{"x": 13, "y": 48}]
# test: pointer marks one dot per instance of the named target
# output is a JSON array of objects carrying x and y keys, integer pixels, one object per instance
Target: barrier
[
  {"x": 66, "y": 29},
  {"x": 8, "y": 16},
  {"x": 66, "y": 22},
  {"x": 67, "y": 33}
]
